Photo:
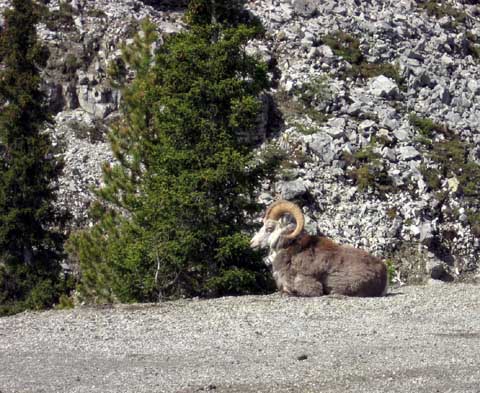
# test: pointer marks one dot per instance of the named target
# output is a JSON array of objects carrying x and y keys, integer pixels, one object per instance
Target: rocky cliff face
[
  {"x": 377, "y": 123},
  {"x": 383, "y": 125}
]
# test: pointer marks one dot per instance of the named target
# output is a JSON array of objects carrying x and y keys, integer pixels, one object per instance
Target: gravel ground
[{"x": 418, "y": 339}]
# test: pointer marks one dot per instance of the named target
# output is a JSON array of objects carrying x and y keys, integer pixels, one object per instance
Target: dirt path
[{"x": 419, "y": 339}]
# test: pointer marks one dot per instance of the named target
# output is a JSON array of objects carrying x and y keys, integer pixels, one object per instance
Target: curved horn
[
  {"x": 279, "y": 208},
  {"x": 269, "y": 209}
]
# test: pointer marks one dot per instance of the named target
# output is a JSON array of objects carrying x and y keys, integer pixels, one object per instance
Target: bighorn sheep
[{"x": 305, "y": 265}]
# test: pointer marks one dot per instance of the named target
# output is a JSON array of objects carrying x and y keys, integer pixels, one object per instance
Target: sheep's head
[{"x": 275, "y": 228}]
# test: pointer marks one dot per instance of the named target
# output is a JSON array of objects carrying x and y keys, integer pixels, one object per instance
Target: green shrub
[
  {"x": 7, "y": 309},
  {"x": 96, "y": 13},
  {"x": 71, "y": 64},
  {"x": 280, "y": 164},
  {"x": 319, "y": 117},
  {"x": 372, "y": 175},
  {"x": 44, "y": 294},
  {"x": 308, "y": 99},
  {"x": 288, "y": 105},
  {"x": 273, "y": 157},
  {"x": 432, "y": 177},
  {"x": 441, "y": 8},
  {"x": 391, "y": 270},
  {"x": 427, "y": 127},
  {"x": 347, "y": 47},
  {"x": 474, "y": 221},
  {"x": 451, "y": 159},
  {"x": 65, "y": 303},
  {"x": 93, "y": 133},
  {"x": 344, "y": 45},
  {"x": 392, "y": 213},
  {"x": 471, "y": 45},
  {"x": 314, "y": 92},
  {"x": 306, "y": 129},
  {"x": 61, "y": 19},
  {"x": 366, "y": 154},
  {"x": 371, "y": 70},
  {"x": 369, "y": 171},
  {"x": 239, "y": 282}
]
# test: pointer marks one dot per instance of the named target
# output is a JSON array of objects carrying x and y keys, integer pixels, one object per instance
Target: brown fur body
[{"x": 315, "y": 266}]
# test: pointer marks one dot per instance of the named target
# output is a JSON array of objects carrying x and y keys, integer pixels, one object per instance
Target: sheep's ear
[
  {"x": 289, "y": 228},
  {"x": 286, "y": 219}
]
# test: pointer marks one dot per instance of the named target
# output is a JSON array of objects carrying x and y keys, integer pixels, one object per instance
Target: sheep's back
[
  {"x": 341, "y": 269},
  {"x": 354, "y": 272}
]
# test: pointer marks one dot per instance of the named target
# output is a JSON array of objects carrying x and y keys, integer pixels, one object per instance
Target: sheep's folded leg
[{"x": 307, "y": 286}]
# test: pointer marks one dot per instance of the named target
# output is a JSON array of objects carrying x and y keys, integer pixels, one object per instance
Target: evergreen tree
[
  {"x": 173, "y": 215},
  {"x": 29, "y": 249},
  {"x": 207, "y": 12},
  {"x": 228, "y": 13}
]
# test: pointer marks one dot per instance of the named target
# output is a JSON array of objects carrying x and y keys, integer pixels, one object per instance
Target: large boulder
[
  {"x": 305, "y": 8},
  {"x": 384, "y": 87}
]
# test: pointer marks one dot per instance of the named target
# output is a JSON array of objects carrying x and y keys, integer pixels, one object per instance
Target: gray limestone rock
[
  {"x": 389, "y": 154},
  {"x": 292, "y": 189},
  {"x": 426, "y": 232},
  {"x": 336, "y": 127},
  {"x": 320, "y": 144},
  {"x": 402, "y": 134},
  {"x": 384, "y": 87},
  {"x": 305, "y": 8},
  {"x": 325, "y": 51},
  {"x": 367, "y": 127},
  {"x": 435, "y": 269},
  {"x": 408, "y": 153}
]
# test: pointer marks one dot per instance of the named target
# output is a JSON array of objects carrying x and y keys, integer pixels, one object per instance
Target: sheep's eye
[{"x": 269, "y": 229}]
